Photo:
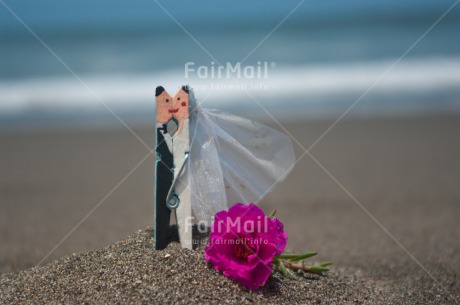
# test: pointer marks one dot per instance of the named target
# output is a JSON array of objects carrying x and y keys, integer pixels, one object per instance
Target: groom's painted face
[{"x": 164, "y": 105}]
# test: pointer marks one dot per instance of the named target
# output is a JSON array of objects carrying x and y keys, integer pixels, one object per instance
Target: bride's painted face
[{"x": 180, "y": 104}]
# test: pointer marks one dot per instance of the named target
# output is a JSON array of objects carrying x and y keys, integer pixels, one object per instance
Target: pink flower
[{"x": 243, "y": 243}]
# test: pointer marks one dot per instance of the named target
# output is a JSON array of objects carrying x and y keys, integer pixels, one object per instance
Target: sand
[
  {"x": 404, "y": 172},
  {"x": 131, "y": 272}
]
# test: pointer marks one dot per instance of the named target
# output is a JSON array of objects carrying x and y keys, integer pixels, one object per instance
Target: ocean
[{"x": 91, "y": 60}]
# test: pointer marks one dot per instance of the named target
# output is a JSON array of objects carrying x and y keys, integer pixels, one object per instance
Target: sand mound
[{"x": 130, "y": 271}]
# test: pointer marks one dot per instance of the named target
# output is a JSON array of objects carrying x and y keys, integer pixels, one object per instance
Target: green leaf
[
  {"x": 283, "y": 270},
  {"x": 276, "y": 263},
  {"x": 272, "y": 214},
  {"x": 325, "y": 264},
  {"x": 317, "y": 268},
  {"x": 297, "y": 257},
  {"x": 286, "y": 256},
  {"x": 301, "y": 257}
]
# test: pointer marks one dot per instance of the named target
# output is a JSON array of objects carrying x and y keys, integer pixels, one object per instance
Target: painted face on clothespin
[
  {"x": 164, "y": 105},
  {"x": 180, "y": 104},
  {"x": 169, "y": 107}
]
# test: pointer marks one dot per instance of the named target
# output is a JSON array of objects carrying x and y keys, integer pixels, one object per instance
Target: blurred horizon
[{"x": 322, "y": 58}]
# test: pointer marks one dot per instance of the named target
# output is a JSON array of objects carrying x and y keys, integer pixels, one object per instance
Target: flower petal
[{"x": 243, "y": 243}]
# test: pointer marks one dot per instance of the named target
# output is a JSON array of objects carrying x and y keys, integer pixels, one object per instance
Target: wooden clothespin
[{"x": 172, "y": 192}]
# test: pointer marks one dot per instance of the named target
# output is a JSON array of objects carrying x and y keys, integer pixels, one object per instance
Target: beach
[{"x": 380, "y": 199}]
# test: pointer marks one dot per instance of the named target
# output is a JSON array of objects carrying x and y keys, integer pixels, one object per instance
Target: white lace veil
[{"x": 233, "y": 159}]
